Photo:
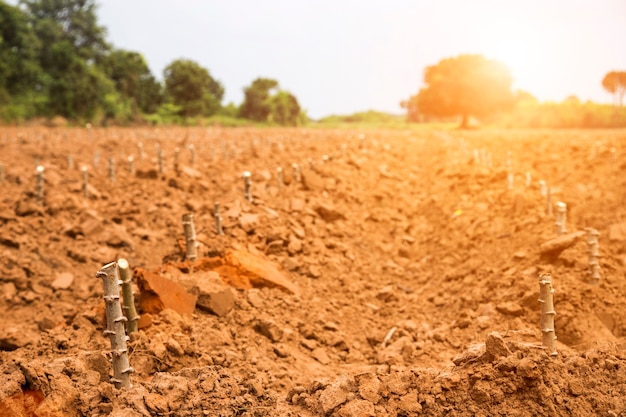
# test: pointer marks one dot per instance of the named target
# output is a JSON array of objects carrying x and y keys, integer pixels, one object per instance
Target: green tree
[
  {"x": 191, "y": 87},
  {"x": 615, "y": 83},
  {"x": 20, "y": 73},
  {"x": 76, "y": 20},
  {"x": 256, "y": 104},
  {"x": 71, "y": 45},
  {"x": 133, "y": 80},
  {"x": 467, "y": 85},
  {"x": 264, "y": 101},
  {"x": 285, "y": 109}
]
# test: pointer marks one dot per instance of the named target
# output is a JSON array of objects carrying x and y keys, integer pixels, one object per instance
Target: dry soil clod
[
  {"x": 543, "y": 189},
  {"x": 115, "y": 326},
  {"x": 546, "y": 293},
  {"x": 128, "y": 296},
  {"x": 190, "y": 237}
]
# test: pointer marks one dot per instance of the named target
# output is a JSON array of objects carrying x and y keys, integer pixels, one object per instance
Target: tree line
[
  {"x": 55, "y": 61},
  {"x": 472, "y": 86}
]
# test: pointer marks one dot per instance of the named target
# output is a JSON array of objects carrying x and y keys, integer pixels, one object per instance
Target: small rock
[
  {"x": 190, "y": 172},
  {"x": 63, "y": 281},
  {"x": 27, "y": 208},
  {"x": 320, "y": 355},
  {"x": 296, "y": 205},
  {"x": 174, "y": 347},
  {"x": 255, "y": 299},
  {"x": 9, "y": 291},
  {"x": 151, "y": 174},
  {"x": 510, "y": 309},
  {"x": 528, "y": 368},
  {"x": 473, "y": 353},
  {"x": 269, "y": 329},
  {"x": 157, "y": 293},
  {"x": 387, "y": 294},
  {"x": 249, "y": 222},
  {"x": 358, "y": 408},
  {"x": 369, "y": 387},
  {"x": 408, "y": 402},
  {"x": 312, "y": 181},
  {"x": 559, "y": 244},
  {"x": 213, "y": 295},
  {"x": 617, "y": 232},
  {"x": 495, "y": 346},
  {"x": 328, "y": 214},
  {"x": 334, "y": 395},
  {"x": 294, "y": 246}
]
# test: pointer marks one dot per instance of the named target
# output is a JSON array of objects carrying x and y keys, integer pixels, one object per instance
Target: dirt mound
[{"x": 387, "y": 273}]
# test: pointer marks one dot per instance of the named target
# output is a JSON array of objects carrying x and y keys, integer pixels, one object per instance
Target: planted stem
[
  {"x": 594, "y": 255},
  {"x": 111, "y": 170},
  {"x": 547, "y": 313},
  {"x": 561, "y": 218},
  {"x": 279, "y": 177},
  {"x": 115, "y": 326},
  {"x": 131, "y": 165},
  {"x": 246, "y": 184},
  {"x": 1, "y": 173},
  {"x": 296, "y": 172},
  {"x": 192, "y": 151},
  {"x": 85, "y": 182},
  {"x": 190, "y": 237},
  {"x": 128, "y": 297},
  {"x": 160, "y": 157},
  {"x": 40, "y": 179},
  {"x": 218, "y": 220}
]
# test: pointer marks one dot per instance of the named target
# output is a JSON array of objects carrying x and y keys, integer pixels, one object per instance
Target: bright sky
[{"x": 343, "y": 56}]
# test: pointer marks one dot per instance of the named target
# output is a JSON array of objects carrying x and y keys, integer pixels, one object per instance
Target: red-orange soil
[{"x": 415, "y": 273}]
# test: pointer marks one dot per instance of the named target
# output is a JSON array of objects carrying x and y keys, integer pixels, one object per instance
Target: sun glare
[{"x": 523, "y": 50}]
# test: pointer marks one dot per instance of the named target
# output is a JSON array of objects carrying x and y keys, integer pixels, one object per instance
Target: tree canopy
[
  {"x": 467, "y": 85},
  {"x": 264, "y": 102},
  {"x": 615, "y": 83},
  {"x": 191, "y": 87}
]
